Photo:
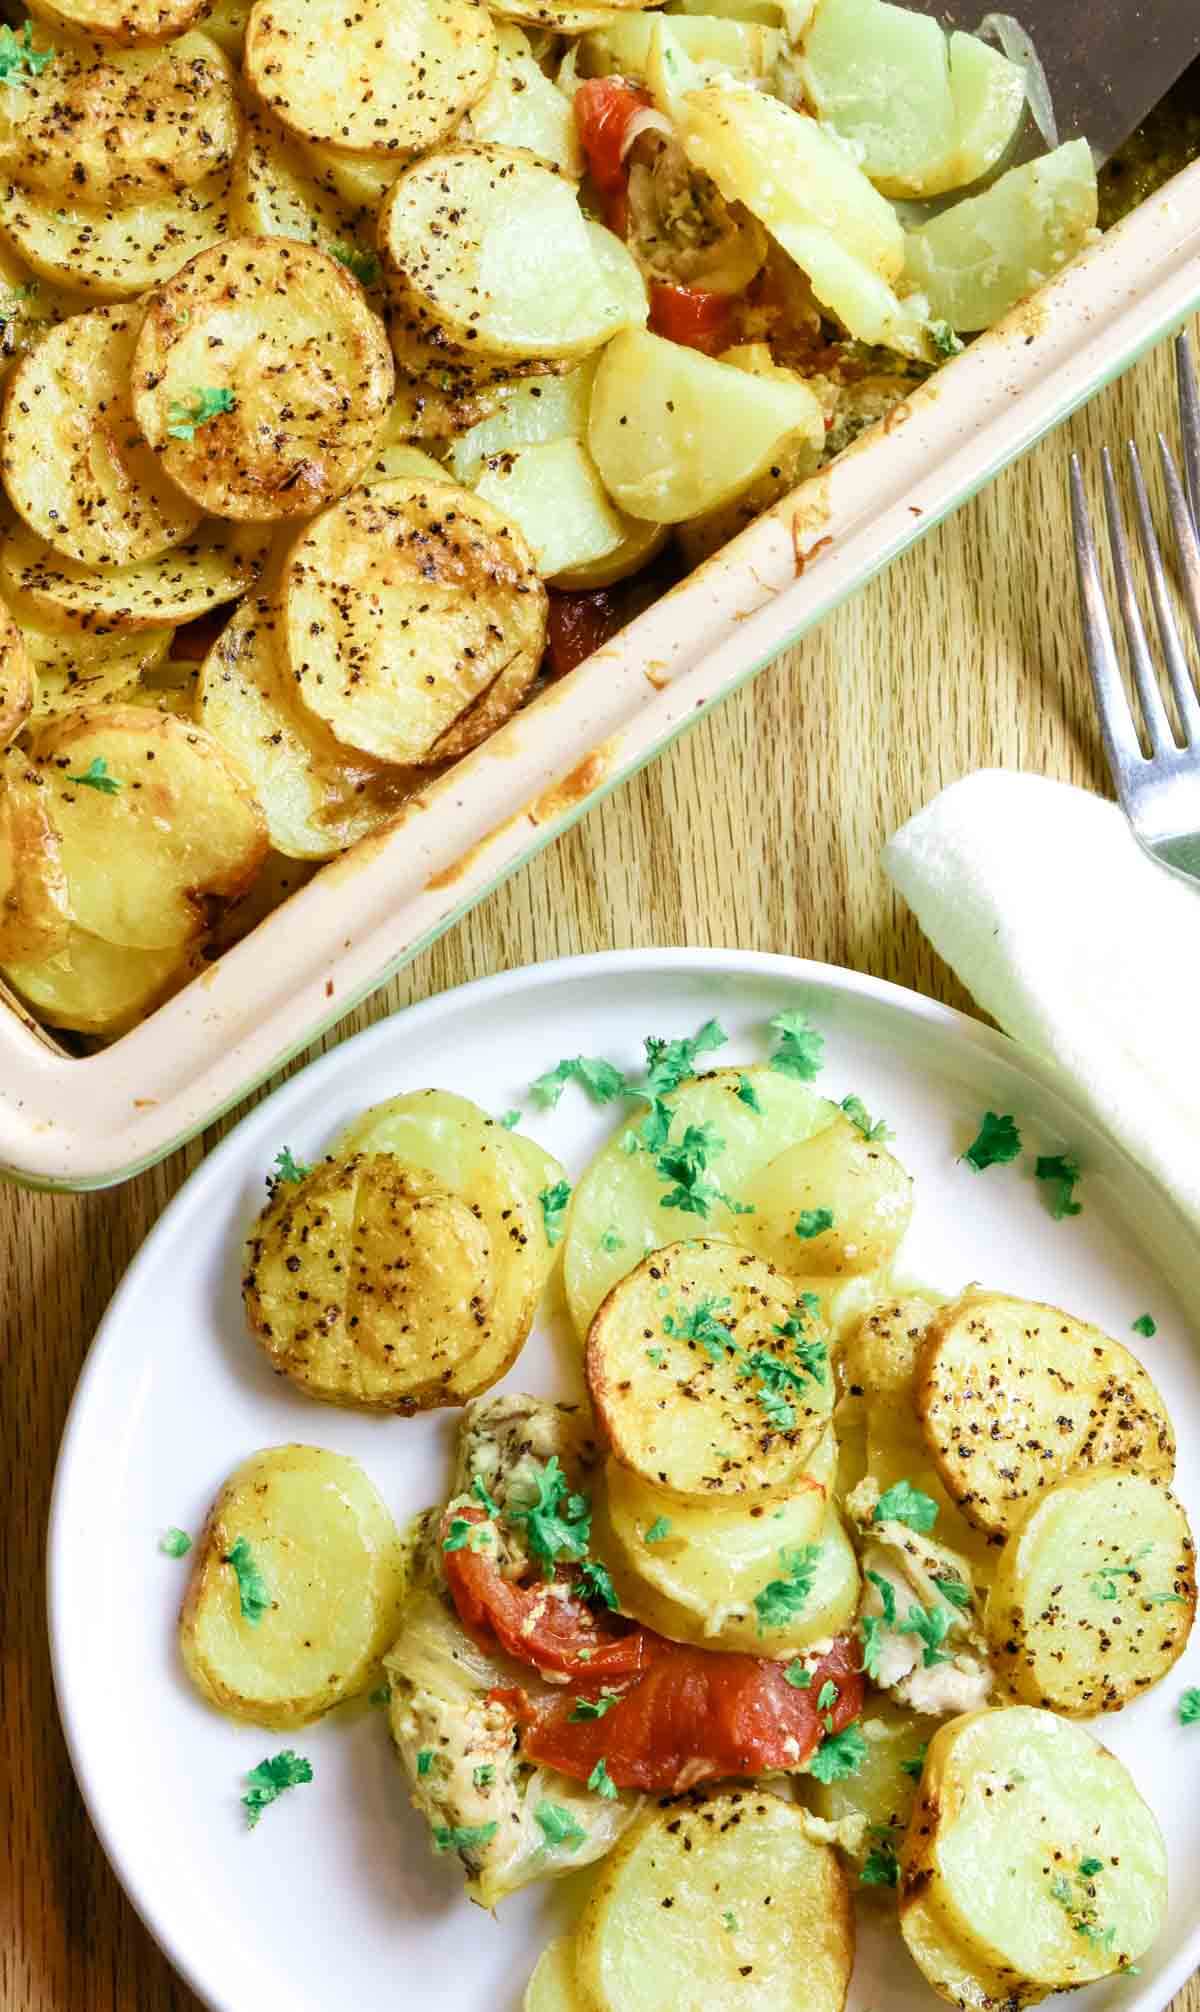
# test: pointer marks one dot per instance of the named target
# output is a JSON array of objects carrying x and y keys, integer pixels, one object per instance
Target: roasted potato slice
[
  {"x": 554, "y": 494},
  {"x": 18, "y": 679},
  {"x": 304, "y": 371},
  {"x": 296, "y": 1590},
  {"x": 121, "y": 250},
  {"x": 956, "y": 1974},
  {"x": 73, "y": 463},
  {"x": 403, "y": 604},
  {"x": 1095, "y": 1593},
  {"x": 523, "y": 108},
  {"x": 552, "y": 1986},
  {"x": 35, "y": 911},
  {"x": 489, "y": 253},
  {"x": 1033, "y": 1845},
  {"x": 93, "y": 987},
  {"x": 529, "y": 412},
  {"x": 714, "y": 1326},
  {"x": 193, "y": 578},
  {"x": 729, "y": 1882},
  {"x": 392, "y": 78},
  {"x": 317, "y": 798},
  {"x": 70, "y": 677},
  {"x": 275, "y": 190},
  {"x": 617, "y": 1213},
  {"x": 125, "y": 23},
  {"x": 225, "y": 24},
  {"x": 359, "y": 180},
  {"x": 1013, "y": 1396},
  {"x": 157, "y": 827},
  {"x": 837, "y": 1203}
]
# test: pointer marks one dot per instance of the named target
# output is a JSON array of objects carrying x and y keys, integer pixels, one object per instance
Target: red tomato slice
[
  {"x": 541, "y": 1623},
  {"x": 692, "y": 316},
  {"x": 603, "y": 108}
]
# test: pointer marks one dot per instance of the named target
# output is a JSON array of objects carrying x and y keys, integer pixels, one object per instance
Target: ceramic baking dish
[{"x": 86, "y": 1122}]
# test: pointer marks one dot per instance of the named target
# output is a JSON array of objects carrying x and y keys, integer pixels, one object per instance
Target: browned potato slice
[
  {"x": 225, "y": 23},
  {"x": 120, "y": 127},
  {"x": 277, "y": 190},
  {"x": 361, "y": 180},
  {"x": 317, "y": 798},
  {"x": 35, "y": 915},
  {"x": 1095, "y": 1593},
  {"x": 707, "y": 1378},
  {"x": 157, "y": 826},
  {"x": 123, "y": 22},
  {"x": 834, "y": 1204},
  {"x": 1013, "y": 1395},
  {"x": 71, "y": 678},
  {"x": 282, "y": 334},
  {"x": 393, "y": 77},
  {"x": 94, "y": 987},
  {"x": 18, "y": 679},
  {"x": 331, "y": 1580},
  {"x": 73, "y": 462},
  {"x": 190, "y": 580},
  {"x": 957, "y": 1974},
  {"x": 404, "y": 604},
  {"x": 121, "y": 250}
]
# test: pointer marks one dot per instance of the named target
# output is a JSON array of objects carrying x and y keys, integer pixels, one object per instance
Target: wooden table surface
[{"x": 761, "y": 829}]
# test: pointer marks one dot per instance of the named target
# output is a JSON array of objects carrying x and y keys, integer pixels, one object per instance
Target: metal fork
[{"x": 1159, "y": 792}]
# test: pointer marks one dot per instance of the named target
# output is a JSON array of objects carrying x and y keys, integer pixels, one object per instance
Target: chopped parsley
[
  {"x": 827, "y": 1696},
  {"x": 660, "y": 1528},
  {"x": 729, "y": 1921},
  {"x": 510, "y": 1120},
  {"x": 270, "y": 1778},
  {"x": 700, "y": 1324},
  {"x": 913, "y": 1768},
  {"x": 463, "y": 1836},
  {"x": 958, "y": 1594},
  {"x": 479, "y": 1490},
  {"x": 686, "y": 1165},
  {"x": 424, "y": 1760},
  {"x": 839, "y": 1756},
  {"x": 1061, "y": 1172},
  {"x": 96, "y": 776},
  {"x": 557, "y": 1523},
  {"x": 887, "y": 1594},
  {"x": 288, "y": 1169},
  {"x": 1079, "y": 1902},
  {"x": 1189, "y": 1708},
  {"x": 814, "y": 1222},
  {"x": 599, "y": 1078},
  {"x": 670, "y": 1063},
  {"x": 747, "y": 1094},
  {"x": 207, "y": 404},
  {"x": 612, "y": 1241},
  {"x": 175, "y": 1543},
  {"x": 778, "y": 1382},
  {"x": 1102, "y": 1583},
  {"x": 798, "y": 1677},
  {"x": 595, "y": 1584},
  {"x": 800, "y": 1047},
  {"x": 252, "y": 1587},
  {"x": 484, "y": 1775},
  {"x": 944, "y": 343},
  {"x": 363, "y": 264},
  {"x": 810, "y": 1352},
  {"x": 594, "y": 1708},
  {"x": 654, "y": 1355},
  {"x": 601, "y": 1783},
  {"x": 932, "y": 1625},
  {"x": 1146, "y": 1325},
  {"x": 782, "y": 1599},
  {"x": 19, "y": 60},
  {"x": 881, "y": 1867},
  {"x": 902, "y": 1503},
  {"x": 872, "y": 1626},
  {"x": 554, "y": 1207},
  {"x": 381, "y": 1695},
  {"x": 996, "y": 1144},
  {"x": 458, "y": 1534},
  {"x": 558, "y": 1826},
  {"x": 874, "y": 1130}
]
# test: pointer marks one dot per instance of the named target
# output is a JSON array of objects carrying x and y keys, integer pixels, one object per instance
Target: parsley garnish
[
  {"x": 557, "y": 1523},
  {"x": 252, "y": 1587},
  {"x": 601, "y": 1782},
  {"x": 612, "y": 1241},
  {"x": 902, "y": 1503},
  {"x": 479, "y": 1490},
  {"x": 874, "y": 1131},
  {"x": 872, "y": 1626},
  {"x": 484, "y": 1775},
  {"x": 996, "y": 1143},
  {"x": 19, "y": 59},
  {"x": 96, "y": 776},
  {"x": 812, "y": 1222},
  {"x": 812, "y": 1355},
  {"x": 839, "y": 1756},
  {"x": 881, "y": 1867},
  {"x": 381, "y": 1695},
  {"x": 778, "y": 1381},
  {"x": 558, "y": 1826},
  {"x": 686, "y": 1164},
  {"x": 457, "y": 1535},
  {"x": 782, "y": 1599},
  {"x": 599, "y": 1078},
  {"x": 1146, "y": 1325},
  {"x": 1081, "y": 1907},
  {"x": 887, "y": 1594},
  {"x": 729, "y": 1921},
  {"x": 288, "y": 1169},
  {"x": 1189, "y": 1708},
  {"x": 182, "y": 420},
  {"x": 424, "y": 1760},
  {"x": 462, "y": 1836},
  {"x": 943, "y": 339},
  {"x": 269, "y": 1780},
  {"x": 800, "y": 1046},
  {"x": 914, "y": 1767},
  {"x": 554, "y": 1206},
  {"x": 596, "y": 1584},
  {"x": 176, "y": 1543},
  {"x": 747, "y": 1094},
  {"x": 827, "y": 1696},
  {"x": 955, "y": 1591},
  {"x": 1102, "y": 1583},
  {"x": 797, "y": 1676},
  {"x": 932, "y": 1624},
  {"x": 670, "y": 1063},
  {"x": 510, "y": 1120},
  {"x": 700, "y": 1323},
  {"x": 594, "y": 1708},
  {"x": 1062, "y": 1171},
  {"x": 654, "y": 1355},
  {"x": 363, "y": 264},
  {"x": 660, "y": 1528}
]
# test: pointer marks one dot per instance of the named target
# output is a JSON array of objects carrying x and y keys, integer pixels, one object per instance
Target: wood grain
[{"x": 761, "y": 829}]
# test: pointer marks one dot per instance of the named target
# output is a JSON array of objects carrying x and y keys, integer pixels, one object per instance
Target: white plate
[{"x": 334, "y": 1901}]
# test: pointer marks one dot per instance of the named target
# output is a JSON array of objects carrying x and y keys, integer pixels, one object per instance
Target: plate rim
[{"x": 719, "y": 961}]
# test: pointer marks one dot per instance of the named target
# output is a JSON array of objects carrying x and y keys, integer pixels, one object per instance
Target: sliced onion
[
  {"x": 647, "y": 120},
  {"x": 1018, "y": 46}
]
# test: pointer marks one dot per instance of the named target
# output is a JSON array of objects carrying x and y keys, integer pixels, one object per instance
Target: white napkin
[{"x": 1079, "y": 946}]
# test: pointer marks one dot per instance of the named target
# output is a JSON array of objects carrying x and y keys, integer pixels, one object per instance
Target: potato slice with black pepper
[
  {"x": 157, "y": 827},
  {"x": 92, "y": 987},
  {"x": 1095, "y": 1593},
  {"x": 190, "y": 579},
  {"x": 78, "y": 671},
  {"x": 298, "y": 1621},
  {"x": 393, "y": 77},
  {"x": 552, "y": 1986},
  {"x": 834, "y": 1205},
  {"x": 73, "y": 461},
  {"x": 276, "y": 190},
  {"x": 403, "y": 605},
  {"x": 35, "y": 913},
  {"x": 118, "y": 251},
  {"x": 124, "y": 23},
  {"x": 302, "y": 366},
  {"x": 18, "y": 679},
  {"x": 1013, "y": 1396}
]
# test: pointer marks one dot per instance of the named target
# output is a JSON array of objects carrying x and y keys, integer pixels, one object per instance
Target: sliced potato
[
  {"x": 556, "y": 18},
  {"x": 393, "y": 77},
  {"x": 71, "y": 677},
  {"x": 276, "y": 190},
  {"x": 225, "y": 24},
  {"x": 1036, "y": 1849},
  {"x": 403, "y": 605},
  {"x": 956, "y": 1973},
  {"x": 359, "y": 180},
  {"x": 617, "y": 1212},
  {"x": 882, "y": 1790},
  {"x": 732, "y": 1875},
  {"x": 488, "y": 251},
  {"x": 1013, "y": 1396},
  {"x": 317, "y": 798},
  {"x": 707, "y": 1379},
  {"x": 35, "y": 912},
  {"x": 552, "y": 1987},
  {"x": 523, "y": 108},
  {"x": 333, "y": 1573},
  {"x": 156, "y": 825},
  {"x": 29, "y": 307},
  {"x": 218, "y": 565},
  {"x": 73, "y": 462},
  {"x": 747, "y": 50},
  {"x": 981, "y": 257},
  {"x": 397, "y": 461},
  {"x": 835, "y": 1204},
  {"x": 554, "y": 494},
  {"x": 303, "y": 365},
  {"x": 93, "y": 987},
  {"x": 1095, "y": 1593},
  {"x": 127, "y": 23},
  {"x": 120, "y": 251},
  {"x": 674, "y": 432},
  {"x": 529, "y": 413},
  {"x": 18, "y": 679}
]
